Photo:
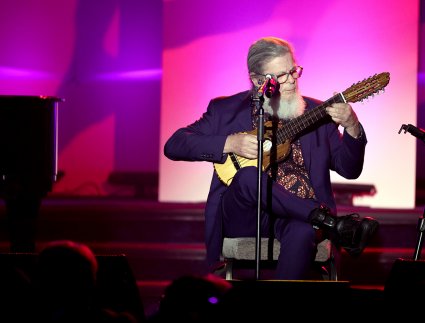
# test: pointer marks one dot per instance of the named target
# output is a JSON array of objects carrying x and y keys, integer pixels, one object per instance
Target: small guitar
[{"x": 284, "y": 136}]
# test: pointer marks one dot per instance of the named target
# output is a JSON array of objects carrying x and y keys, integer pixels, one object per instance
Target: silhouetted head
[
  {"x": 67, "y": 271},
  {"x": 192, "y": 299}
]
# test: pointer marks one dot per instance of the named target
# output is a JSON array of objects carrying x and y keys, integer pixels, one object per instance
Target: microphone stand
[
  {"x": 258, "y": 101},
  {"x": 420, "y": 134},
  {"x": 419, "y": 242}
]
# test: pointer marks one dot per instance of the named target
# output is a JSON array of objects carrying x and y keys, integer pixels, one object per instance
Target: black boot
[{"x": 350, "y": 231}]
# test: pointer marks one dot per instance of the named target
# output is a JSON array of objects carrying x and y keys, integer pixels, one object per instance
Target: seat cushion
[{"x": 244, "y": 249}]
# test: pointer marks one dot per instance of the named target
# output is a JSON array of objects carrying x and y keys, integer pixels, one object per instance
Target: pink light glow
[
  {"x": 9, "y": 73},
  {"x": 131, "y": 75},
  {"x": 338, "y": 44}
]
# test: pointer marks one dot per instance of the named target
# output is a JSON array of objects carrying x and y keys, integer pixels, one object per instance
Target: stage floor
[{"x": 163, "y": 241}]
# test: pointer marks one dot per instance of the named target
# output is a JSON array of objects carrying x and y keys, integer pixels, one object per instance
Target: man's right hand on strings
[{"x": 242, "y": 144}]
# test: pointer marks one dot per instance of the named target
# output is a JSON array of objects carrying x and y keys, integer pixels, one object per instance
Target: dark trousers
[{"x": 283, "y": 214}]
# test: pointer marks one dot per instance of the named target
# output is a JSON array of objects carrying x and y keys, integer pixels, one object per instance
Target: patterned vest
[{"x": 291, "y": 172}]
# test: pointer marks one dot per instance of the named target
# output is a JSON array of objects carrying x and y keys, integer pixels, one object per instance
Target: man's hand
[
  {"x": 242, "y": 144},
  {"x": 344, "y": 115}
]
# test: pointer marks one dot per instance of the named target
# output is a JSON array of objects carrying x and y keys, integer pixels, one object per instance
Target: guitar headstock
[{"x": 367, "y": 87}]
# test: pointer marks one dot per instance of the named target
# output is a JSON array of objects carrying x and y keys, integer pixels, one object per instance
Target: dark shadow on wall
[{"x": 116, "y": 71}]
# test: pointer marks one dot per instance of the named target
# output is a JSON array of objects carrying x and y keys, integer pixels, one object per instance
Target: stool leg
[
  {"x": 229, "y": 269},
  {"x": 333, "y": 270},
  {"x": 326, "y": 272},
  {"x": 334, "y": 262}
]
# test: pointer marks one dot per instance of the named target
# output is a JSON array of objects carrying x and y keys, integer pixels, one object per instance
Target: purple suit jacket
[{"x": 324, "y": 148}]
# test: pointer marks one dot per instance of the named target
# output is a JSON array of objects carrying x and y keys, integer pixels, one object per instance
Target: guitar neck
[{"x": 310, "y": 117}]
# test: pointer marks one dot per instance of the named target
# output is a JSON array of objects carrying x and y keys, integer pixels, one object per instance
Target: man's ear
[{"x": 253, "y": 80}]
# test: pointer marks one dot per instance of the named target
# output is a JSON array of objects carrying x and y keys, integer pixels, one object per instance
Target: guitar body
[
  {"x": 228, "y": 170},
  {"x": 277, "y": 142},
  {"x": 233, "y": 163},
  {"x": 277, "y": 152}
]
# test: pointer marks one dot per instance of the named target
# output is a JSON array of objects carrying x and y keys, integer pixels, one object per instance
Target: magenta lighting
[
  {"x": 18, "y": 73},
  {"x": 149, "y": 74}
]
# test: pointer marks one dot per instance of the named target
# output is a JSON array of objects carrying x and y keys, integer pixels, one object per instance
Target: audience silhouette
[
  {"x": 65, "y": 283},
  {"x": 16, "y": 294},
  {"x": 192, "y": 298}
]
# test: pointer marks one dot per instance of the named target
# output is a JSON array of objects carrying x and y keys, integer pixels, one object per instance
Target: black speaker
[
  {"x": 406, "y": 282},
  {"x": 264, "y": 300},
  {"x": 24, "y": 262}
]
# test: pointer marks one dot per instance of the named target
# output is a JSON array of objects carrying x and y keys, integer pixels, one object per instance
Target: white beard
[{"x": 285, "y": 108}]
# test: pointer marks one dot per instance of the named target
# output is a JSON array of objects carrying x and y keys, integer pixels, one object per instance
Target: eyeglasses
[{"x": 295, "y": 72}]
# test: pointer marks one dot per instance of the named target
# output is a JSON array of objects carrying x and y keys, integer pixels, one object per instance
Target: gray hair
[{"x": 264, "y": 50}]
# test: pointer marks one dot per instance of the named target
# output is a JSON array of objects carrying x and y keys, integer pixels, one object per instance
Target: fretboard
[{"x": 295, "y": 126}]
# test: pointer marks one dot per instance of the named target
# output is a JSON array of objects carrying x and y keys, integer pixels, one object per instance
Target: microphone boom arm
[{"x": 414, "y": 131}]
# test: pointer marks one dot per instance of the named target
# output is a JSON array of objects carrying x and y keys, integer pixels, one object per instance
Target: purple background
[{"x": 105, "y": 59}]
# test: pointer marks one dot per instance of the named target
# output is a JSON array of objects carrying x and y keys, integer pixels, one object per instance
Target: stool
[{"x": 240, "y": 253}]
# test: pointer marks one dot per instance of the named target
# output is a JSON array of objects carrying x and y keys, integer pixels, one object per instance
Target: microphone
[
  {"x": 269, "y": 87},
  {"x": 417, "y": 132}
]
